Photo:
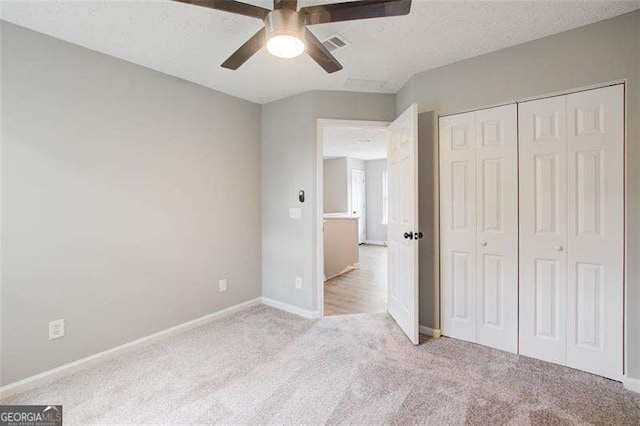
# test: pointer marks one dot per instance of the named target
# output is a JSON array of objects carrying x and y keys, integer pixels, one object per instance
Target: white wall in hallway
[{"x": 376, "y": 231}]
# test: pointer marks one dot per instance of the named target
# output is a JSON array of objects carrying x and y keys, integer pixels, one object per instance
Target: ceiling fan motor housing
[{"x": 284, "y": 22}]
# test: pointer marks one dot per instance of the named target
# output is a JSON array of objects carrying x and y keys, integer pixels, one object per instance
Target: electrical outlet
[
  {"x": 223, "y": 285},
  {"x": 295, "y": 213},
  {"x": 298, "y": 282},
  {"x": 56, "y": 329}
]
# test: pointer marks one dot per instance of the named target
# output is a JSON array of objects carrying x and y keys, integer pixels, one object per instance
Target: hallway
[{"x": 363, "y": 290}]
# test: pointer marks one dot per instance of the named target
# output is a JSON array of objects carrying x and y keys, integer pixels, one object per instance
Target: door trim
[{"x": 321, "y": 124}]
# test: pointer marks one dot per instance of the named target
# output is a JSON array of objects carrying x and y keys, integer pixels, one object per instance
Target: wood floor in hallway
[{"x": 363, "y": 290}]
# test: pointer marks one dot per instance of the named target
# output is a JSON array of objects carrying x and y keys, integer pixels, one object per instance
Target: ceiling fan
[{"x": 286, "y": 33}]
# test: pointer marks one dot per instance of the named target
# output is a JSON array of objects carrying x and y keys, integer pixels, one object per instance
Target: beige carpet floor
[{"x": 266, "y": 366}]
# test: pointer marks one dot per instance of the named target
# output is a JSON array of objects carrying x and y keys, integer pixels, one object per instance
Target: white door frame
[{"x": 323, "y": 123}]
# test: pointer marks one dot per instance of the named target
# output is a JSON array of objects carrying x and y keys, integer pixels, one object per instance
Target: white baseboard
[
  {"x": 375, "y": 243},
  {"x": 290, "y": 308},
  {"x": 66, "y": 369},
  {"x": 347, "y": 269},
  {"x": 433, "y": 332},
  {"x": 631, "y": 383}
]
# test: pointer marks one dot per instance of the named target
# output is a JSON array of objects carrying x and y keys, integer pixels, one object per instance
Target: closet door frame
[{"x": 621, "y": 82}]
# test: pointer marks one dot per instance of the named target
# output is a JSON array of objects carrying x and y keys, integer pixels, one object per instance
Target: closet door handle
[
  {"x": 558, "y": 247},
  {"x": 408, "y": 235},
  {"x": 483, "y": 244}
]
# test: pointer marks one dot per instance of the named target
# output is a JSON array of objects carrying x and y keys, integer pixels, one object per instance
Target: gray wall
[
  {"x": 334, "y": 185},
  {"x": 117, "y": 213},
  {"x": 376, "y": 231},
  {"x": 601, "y": 52},
  {"x": 288, "y": 165},
  {"x": 429, "y": 220}
]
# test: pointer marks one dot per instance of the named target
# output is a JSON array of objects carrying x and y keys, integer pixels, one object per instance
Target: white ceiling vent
[{"x": 335, "y": 42}]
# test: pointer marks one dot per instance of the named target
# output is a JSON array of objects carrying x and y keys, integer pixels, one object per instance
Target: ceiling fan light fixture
[
  {"x": 285, "y": 33},
  {"x": 285, "y": 46}
]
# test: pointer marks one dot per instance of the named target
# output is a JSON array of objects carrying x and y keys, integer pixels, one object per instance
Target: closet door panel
[
  {"x": 497, "y": 227},
  {"x": 595, "y": 171},
  {"x": 543, "y": 231},
  {"x": 458, "y": 226}
]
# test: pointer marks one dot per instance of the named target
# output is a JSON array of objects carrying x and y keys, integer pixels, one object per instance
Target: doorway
[
  {"x": 354, "y": 206},
  {"x": 400, "y": 212}
]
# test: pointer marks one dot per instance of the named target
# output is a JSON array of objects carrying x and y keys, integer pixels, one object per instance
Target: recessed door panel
[
  {"x": 542, "y": 199},
  {"x": 492, "y": 291},
  {"x": 461, "y": 283},
  {"x": 546, "y": 193},
  {"x": 595, "y": 144},
  {"x": 590, "y": 195},
  {"x": 589, "y": 301},
  {"x": 460, "y": 194},
  {"x": 546, "y": 299},
  {"x": 492, "y": 203}
]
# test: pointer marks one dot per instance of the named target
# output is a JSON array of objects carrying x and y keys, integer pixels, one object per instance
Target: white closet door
[
  {"x": 458, "y": 226},
  {"x": 543, "y": 233},
  {"x": 595, "y": 173},
  {"x": 496, "y": 137}
]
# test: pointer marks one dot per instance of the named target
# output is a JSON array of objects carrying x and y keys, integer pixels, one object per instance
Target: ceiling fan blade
[
  {"x": 353, "y": 10},
  {"x": 285, "y": 4},
  {"x": 246, "y": 51},
  {"x": 320, "y": 54},
  {"x": 231, "y": 6}
]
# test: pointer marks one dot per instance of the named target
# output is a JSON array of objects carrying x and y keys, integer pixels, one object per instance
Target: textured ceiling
[
  {"x": 191, "y": 42},
  {"x": 360, "y": 143}
]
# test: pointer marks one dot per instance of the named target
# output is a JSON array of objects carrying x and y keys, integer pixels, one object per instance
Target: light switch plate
[
  {"x": 223, "y": 285},
  {"x": 56, "y": 329},
  {"x": 295, "y": 213}
]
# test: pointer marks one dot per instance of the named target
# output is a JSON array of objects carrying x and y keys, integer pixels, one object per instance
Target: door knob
[
  {"x": 418, "y": 235},
  {"x": 408, "y": 235},
  {"x": 483, "y": 244},
  {"x": 558, "y": 247}
]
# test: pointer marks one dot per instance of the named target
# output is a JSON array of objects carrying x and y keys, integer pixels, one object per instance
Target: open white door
[{"x": 403, "y": 222}]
